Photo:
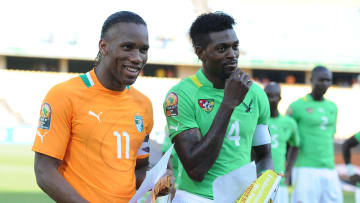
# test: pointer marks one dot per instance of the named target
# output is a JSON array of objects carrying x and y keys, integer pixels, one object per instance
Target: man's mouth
[{"x": 132, "y": 69}]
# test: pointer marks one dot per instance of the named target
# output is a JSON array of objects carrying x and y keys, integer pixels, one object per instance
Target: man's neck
[
  {"x": 274, "y": 112},
  {"x": 106, "y": 80},
  {"x": 317, "y": 97}
]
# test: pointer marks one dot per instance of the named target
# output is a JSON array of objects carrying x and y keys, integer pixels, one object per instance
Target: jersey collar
[{"x": 203, "y": 79}]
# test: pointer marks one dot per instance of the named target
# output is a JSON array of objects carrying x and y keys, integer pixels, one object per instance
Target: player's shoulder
[
  {"x": 188, "y": 86},
  {"x": 289, "y": 119},
  {"x": 257, "y": 91},
  {"x": 299, "y": 101},
  {"x": 330, "y": 103},
  {"x": 67, "y": 88},
  {"x": 139, "y": 95}
]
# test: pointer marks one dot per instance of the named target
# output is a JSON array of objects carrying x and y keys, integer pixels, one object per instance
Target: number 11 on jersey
[{"x": 127, "y": 144}]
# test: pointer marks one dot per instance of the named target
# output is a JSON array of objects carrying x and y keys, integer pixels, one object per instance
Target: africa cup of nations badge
[
  {"x": 45, "y": 116},
  {"x": 206, "y": 104},
  {"x": 171, "y": 105},
  {"x": 139, "y": 123}
]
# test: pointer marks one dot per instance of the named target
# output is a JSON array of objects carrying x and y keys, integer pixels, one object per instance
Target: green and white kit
[{"x": 193, "y": 103}]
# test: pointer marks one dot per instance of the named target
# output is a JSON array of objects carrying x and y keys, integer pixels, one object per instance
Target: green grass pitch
[{"x": 17, "y": 179}]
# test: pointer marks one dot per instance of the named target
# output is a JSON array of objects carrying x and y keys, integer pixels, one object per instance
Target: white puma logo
[
  {"x": 41, "y": 136},
  {"x": 173, "y": 127},
  {"x": 95, "y": 115}
]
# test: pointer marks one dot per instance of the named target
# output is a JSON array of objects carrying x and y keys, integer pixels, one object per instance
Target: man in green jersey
[
  {"x": 217, "y": 116},
  {"x": 346, "y": 147},
  {"x": 283, "y": 131},
  {"x": 315, "y": 177}
]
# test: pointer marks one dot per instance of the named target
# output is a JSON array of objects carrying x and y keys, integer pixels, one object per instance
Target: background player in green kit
[
  {"x": 315, "y": 177},
  {"x": 217, "y": 116},
  {"x": 283, "y": 131},
  {"x": 346, "y": 147}
]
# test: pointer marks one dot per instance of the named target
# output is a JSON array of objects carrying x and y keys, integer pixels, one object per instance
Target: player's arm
[
  {"x": 291, "y": 159},
  {"x": 262, "y": 149},
  {"x": 196, "y": 153},
  {"x": 141, "y": 167},
  {"x": 51, "y": 182},
  {"x": 346, "y": 151}
]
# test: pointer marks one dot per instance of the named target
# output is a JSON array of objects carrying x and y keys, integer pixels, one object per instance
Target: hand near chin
[{"x": 236, "y": 88}]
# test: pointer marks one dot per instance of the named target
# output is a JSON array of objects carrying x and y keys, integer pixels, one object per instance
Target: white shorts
[
  {"x": 357, "y": 195},
  {"x": 182, "y": 196},
  {"x": 316, "y": 185},
  {"x": 282, "y": 195}
]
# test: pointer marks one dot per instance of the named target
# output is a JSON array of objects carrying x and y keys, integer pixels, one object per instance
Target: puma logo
[
  {"x": 173, "y": 127},
  {"x": 40, "y": 135},
  {"x": 95, "y": 115}
]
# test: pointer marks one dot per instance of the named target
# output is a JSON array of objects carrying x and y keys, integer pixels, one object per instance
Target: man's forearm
[
  {"x": 293, "y": 152},
  {"x": 206, "y": 151},
  {"x": 140, "y": 174},
  {"x": 263, "y": 158},
  {"x": 53, "y": 184}
]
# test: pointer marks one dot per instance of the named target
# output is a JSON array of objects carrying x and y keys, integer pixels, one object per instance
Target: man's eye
[
  {"x": 221, "y": 49},
  {"x": 126, "y": 47},
  {"x": 235, "y": 47},
  {"x": 144, "y": 50}
]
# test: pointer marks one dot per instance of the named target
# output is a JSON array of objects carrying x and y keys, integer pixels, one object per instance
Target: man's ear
[
  {"x": 103, "y": 47},
  {"x": 199, "y": 52}
]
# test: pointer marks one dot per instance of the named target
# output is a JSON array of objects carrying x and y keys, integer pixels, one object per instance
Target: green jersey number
[
  {"x": 324, "y": 122},
  {"x": 274, "y": 141},
  {"x": 235, "y": 129}
]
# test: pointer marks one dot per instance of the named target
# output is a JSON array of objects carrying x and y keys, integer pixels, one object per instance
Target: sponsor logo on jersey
[
  {"x": 139, "y": 123},
  {"x": 309, "y": 110},
  {"x": 206, "y": 104},
  {"x": 171, "y": 105},
  {"x": 45, "y": 116}
]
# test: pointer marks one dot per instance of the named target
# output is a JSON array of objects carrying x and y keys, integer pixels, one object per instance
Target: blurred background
[{"x": 43, "y": 43}]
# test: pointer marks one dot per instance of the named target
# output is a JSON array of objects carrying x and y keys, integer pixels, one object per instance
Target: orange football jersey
[{"x": 98, "y": 134}]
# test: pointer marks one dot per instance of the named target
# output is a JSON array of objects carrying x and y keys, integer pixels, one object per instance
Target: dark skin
[
  {"x": 346, "y": 148},
  {"x": 219, "y": 61},
  {"x": 124, "y": 54},
  {"x": 273, "y": 92},
  {"x": 320, "y": 81}
]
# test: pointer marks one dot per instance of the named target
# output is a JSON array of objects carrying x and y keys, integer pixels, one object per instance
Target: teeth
[{"x": 134, "y": 70}]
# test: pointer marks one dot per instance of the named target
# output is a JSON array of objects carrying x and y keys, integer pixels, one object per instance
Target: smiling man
[
  {"x": 94, "y": 143},
  {"x": 217, "y": 116},
  {"x": 315, "y": 177}
]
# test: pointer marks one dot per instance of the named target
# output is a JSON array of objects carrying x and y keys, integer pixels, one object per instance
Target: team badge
[
  {"x": 45, "y": 116},
  {"x": 171, "y": 105},
  {"x": 206, "y": 104},
  {"x": 139, "y": 123},
  {"x": 309, "y": 110}
]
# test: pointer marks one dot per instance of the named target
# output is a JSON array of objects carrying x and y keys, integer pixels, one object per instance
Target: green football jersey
[
  {"x": 283, "y": 130},
  {"x": 357, "y": 136},
  {"x": 193, "y": 103},
  {"x": 317, "y": 125}
]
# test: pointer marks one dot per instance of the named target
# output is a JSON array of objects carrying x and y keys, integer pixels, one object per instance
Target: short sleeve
[
  {"x": 264, "y": 109},
  {"x": 292, "y": 112},
  {"x": 294, "y": 138},
  {"x": 357, "y": 136},
  {"x": 179, "y": 112},
  {"x": 53, "y": 132}
]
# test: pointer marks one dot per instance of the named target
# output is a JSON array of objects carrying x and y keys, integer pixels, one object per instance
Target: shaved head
[{"x": 273, "y": 88}]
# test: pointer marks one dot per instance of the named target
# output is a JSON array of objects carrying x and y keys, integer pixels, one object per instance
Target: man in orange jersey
[{"x": 92, "y": 142}]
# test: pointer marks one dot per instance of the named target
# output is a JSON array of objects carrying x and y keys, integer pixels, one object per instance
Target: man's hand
[
  {"x": 164, "y": 186},
  {"x": 236, "y": 88}
]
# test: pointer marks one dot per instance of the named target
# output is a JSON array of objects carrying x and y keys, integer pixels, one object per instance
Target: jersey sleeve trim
[{"x": 261, "y": 135}]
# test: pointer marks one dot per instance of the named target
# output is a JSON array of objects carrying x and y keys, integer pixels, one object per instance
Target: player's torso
[
  {"x": 317, "y": 125},
  {"x": 240, "y": 130},
  {"x": 280, "y": 131},
  {"x": 107, "y": 131}
]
